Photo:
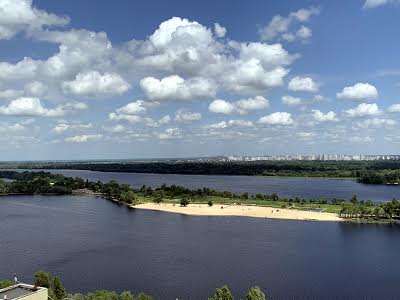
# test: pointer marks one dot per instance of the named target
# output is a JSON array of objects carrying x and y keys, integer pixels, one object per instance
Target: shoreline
[{"x": 241, "y": 211}]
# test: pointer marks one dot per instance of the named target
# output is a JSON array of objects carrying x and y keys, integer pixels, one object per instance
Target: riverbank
[{"x": 241, "y": 211}]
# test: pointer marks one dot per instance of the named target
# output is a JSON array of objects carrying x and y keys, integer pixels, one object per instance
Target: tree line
[
  {"x": 263, "y": 168},
  {"x": 56, "y": 291}
]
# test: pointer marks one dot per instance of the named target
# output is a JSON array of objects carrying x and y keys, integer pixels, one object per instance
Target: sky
[{"x": 95, "y": 79}]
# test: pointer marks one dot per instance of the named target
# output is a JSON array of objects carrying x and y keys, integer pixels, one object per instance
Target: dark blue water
[
  {"x": 92, "y": 243},
  {"x": 309, "y": 188}
]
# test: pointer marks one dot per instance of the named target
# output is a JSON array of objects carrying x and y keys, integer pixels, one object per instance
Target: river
[
  {"x": 93, "y": 243},
  {"x": 308, "y": 188}
]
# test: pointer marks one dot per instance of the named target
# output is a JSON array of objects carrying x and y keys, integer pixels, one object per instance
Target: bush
[
  {"x": 255, "y": 294},
  {"x": 210, "y": 203},
  {"x": 5, "y": 283},
  {"x": 42, "y": 279},
  {"x": 222, "y": 294},
  {"x": 185, "y": 201}
]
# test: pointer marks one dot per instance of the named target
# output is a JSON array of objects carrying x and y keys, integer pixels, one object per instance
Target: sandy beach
[{"x": 241, "y": 211}]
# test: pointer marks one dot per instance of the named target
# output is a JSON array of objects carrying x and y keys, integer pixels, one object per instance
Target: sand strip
[{"x": 241, "y": 211}]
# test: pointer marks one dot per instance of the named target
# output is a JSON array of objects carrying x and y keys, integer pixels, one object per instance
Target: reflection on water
[{"x": 93, "y": 243}]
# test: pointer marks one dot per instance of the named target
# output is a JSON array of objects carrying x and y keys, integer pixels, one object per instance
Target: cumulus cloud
[
  {"x": 291, "y": 101},
  {"x": 177, "y": 88},
  {"x": 286, "y": 28},
  {"x": 220, "y": 106},
  {"x": 219, "y": 30},
  {"x": 187, "y": 116},
  {"x": 277, "y": 118},
  {"x": 94, "y": 83},
  {"x": 62, "y": 127},
  {"x": 84, "y": 138},
  {"x": 242, "y": 106},
  {"x": 10, "y": 93},
  {"x": 170, "y": 133},
  {"x": 359, "y": 91},
  {"x": 319, "y": 116},
  {"x": 24, "y": 69},
  {"x": 35, "y": 88},
  {"x": 377, "y": 123},
  {"x": 260, "y": 67},
  {"x": 230, "y": 123},
  {"x": 136, "y": 107},
  {"x": 256, "y": 103},
  {"x": 394, "y": 108},
  {"x": 26, "y": 106},
  {"x": 20, "y": 15},
  {"x": 363, "y": 110},
  {"x": 303, "y": 84}
]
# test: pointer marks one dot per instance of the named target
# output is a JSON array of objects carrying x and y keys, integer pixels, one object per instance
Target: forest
[{"x": 368, "y": 172}]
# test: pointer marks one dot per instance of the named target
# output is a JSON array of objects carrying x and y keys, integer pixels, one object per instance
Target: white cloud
[
  {"x": 303, "y": 84},
  {"x": 291, "y": 101},
  {"x": 164, "y": 120},
  {"x": 277, "y": 118},
  {"x": 219, "y": 30},
  {"x": 260, "y": 67},
  {"x": 84, "y": 138},
  {"x": 8, "y": 94},
  {"x": 242, "y": 106},
  {"x": 20, "y": 15},
  {"x": 319, "y": 116},
  {"x": 170, "y": 133},
  {"x": 377, "y": 123},
  {"x": 364, "y": 109},
  {"x": 94, "y": 83},
  {"x": 133, "y": 108},
  {"x": 256, "y": 103},
  {"x": 377, "y": 3},
  {"x": 26, "y": 106},
  {"x": 64, "y": 126},
  {"x": 177, "y": 88},
  {"x": 35, "y": 88},
  {"x": 129, "y": 118},
  {"x": 220, "y": 106},
  {"x": 286, "y": 27},
  {"x": 359, "y": 91},
  {"x": 394, "y": 108},
  {"x": 187, "y": 116},
  {"x": 230, "y": 123},
  {"x": 24, "y": 69}
]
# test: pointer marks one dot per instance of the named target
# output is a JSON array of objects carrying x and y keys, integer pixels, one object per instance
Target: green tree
[
  {"x": 255, "y": 294},
  {"x": 128, "y": 197},
  {"x": 185, "y": 201},
  {"x": 354, "y": 199},
  {"x": 210, "y": 203},
  {"x": 58, "y": 288},
  {"x": 42, "y": 279},
  {"x": 125, "y": 296},
  {"x": 222, "y": 294},
  {"x": 142, "y": 296},
  {"x": 158, "y": 196}
]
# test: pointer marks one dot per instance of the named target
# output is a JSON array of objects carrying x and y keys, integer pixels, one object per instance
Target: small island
[{"x": 202, "y": 202}]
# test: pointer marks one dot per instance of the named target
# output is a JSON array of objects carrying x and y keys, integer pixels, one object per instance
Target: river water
[
  {"x": 93, "y": 243},
  {"x": 309, "y": 188}
]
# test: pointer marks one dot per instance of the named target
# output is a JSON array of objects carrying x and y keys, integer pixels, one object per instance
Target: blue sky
[{"x": 91, "y": 79}]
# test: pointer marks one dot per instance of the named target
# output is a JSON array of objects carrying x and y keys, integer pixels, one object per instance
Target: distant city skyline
[{"x": 95, "y": 80}]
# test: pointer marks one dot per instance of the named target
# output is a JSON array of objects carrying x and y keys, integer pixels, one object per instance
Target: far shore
[{"x": 241, "y": 211}]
